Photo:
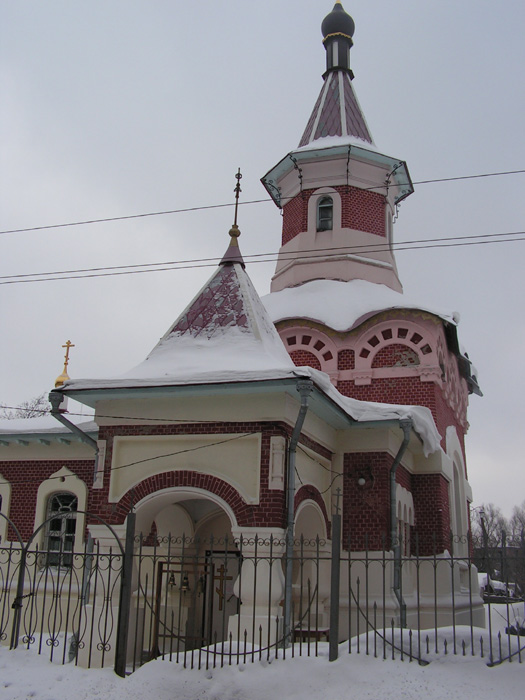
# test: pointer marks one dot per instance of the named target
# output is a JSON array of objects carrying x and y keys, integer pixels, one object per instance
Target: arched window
[
  {"x": 60, "y": 531},
  {"x": 325, "y": 214}
]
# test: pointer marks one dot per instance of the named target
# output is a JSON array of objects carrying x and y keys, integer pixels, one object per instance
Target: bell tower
[{"x": 338, "y": 193}]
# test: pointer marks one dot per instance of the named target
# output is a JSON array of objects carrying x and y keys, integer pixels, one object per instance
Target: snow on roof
[
  {"x": 44, "y": 424},
  {"x": 225, "y": 335},
  {"x": 364, "y": 411},
  {"x": 328, "y": 141},
  {"x": 340, "y": 305}
]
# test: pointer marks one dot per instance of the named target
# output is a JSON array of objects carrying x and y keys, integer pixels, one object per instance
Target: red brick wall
[
  {"x": 346, "y": 359},
  {"x": 366, "y": 509},
  {"x": 360, "y": 210},
  {"x": 25, "y": 478},
  {"x": 303, "y": 358},
  {"x": 432, "y": 514},
  {"x": 295, "y": 217}
]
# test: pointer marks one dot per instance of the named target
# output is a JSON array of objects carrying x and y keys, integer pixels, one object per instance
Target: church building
[{"x": 257, "y": 419}]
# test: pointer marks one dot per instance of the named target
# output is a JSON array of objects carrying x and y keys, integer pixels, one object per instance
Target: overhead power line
[
  {"x": 231, "y": 204},
  {"x": 311, "y": 254}
]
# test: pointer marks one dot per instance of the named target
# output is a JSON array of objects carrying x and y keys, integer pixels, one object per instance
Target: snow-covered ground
[{"x": 25, "y": 675}]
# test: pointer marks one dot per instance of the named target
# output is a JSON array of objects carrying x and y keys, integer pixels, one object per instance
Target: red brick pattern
[
  {"x": 346, "y": 359},
  {"x": 432, "y": 514},
  {"x": 366, "y": 509},
  {"x": 303, "y": 358},
  {"x": 295, "y": 217},
  {"x": 361, "y": 210}
]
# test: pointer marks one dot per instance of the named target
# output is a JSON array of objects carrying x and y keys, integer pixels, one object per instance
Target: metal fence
[{"x": 217, "y": 601}]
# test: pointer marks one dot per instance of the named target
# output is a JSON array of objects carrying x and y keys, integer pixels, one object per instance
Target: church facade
[{"x": 255, "y": 419}]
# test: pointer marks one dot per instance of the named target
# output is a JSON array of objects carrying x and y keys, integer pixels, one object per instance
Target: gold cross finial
[{"x": 64, "y": 376}]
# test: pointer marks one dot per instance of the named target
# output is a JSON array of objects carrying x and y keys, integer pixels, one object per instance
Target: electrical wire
[
  {"x": 433, "y": 243},
  {"x": 141, "y": 461},
  {"x": 230, "y": 204}
]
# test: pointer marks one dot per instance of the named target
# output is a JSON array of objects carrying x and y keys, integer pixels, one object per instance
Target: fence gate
[{"x": 193, "y": 601}]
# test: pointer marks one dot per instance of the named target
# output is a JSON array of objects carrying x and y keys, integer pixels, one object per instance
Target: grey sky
[{"x": 123, "y": 106}]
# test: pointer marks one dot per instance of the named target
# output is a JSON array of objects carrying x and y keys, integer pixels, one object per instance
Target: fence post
[
  {"x": 125, "y": 598},
  {"x": 17, "y": 604},
  {"x": 335, "y": 575}
]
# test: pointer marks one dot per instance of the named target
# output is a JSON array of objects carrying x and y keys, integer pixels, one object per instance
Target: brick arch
[
  {"x": 185, "y": 478},
  {"x": 410, "y": 345},
  {"x": 309, "y": 346},
  {"x": 310, "y": 493}
]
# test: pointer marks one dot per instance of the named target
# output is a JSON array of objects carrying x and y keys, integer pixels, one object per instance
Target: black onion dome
[{"x": 338, "y": 22}]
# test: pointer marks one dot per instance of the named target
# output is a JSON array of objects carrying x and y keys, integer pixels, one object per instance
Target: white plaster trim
[
  {"x": 342, "y": 103},
  {"x": 62, "y": 481},
  {"x": 320, "y": 110},
  {"x": 5, "y": 496}
]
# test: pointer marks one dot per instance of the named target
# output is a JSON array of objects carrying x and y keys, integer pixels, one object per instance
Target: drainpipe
[
  {"x": 406, "y": 425},
  {"x": 304, "y": 387},
  {"x": 55, "y": 400}
]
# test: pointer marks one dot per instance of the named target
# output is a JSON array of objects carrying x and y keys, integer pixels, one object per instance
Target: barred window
[{"x": 60, "y": 532}]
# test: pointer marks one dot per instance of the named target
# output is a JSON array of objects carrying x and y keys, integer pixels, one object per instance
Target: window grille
[
  {"x": 60, "y": 533},
  {"x": 325, "y": 214}
]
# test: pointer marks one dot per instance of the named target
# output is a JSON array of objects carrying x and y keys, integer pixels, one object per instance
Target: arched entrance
[{"x": 186, "y": 565}]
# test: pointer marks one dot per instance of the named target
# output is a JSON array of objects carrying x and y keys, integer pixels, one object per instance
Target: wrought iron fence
[{"x": 216, "y": 601}]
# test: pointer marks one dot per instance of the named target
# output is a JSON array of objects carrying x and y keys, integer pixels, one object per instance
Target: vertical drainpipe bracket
[
  {"x": 55, "y": 399},
  {"x": 304, "y": 387},
  {"x": 406, "y": 426}
]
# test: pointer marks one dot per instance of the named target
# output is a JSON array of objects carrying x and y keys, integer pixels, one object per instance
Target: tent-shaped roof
[
  {"x": 224, "y": 334},
  {"x": 336, "y": 113}
]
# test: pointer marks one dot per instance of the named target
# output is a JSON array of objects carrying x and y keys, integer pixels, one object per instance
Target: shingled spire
[{"x": 337, "y": 111}]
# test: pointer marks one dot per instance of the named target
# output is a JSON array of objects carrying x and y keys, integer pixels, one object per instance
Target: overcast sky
[{"x": 118, "y": 107}]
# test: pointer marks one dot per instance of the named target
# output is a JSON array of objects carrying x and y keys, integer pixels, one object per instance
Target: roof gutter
[
  {"x": 305, "y": 388},
  {"x": 406, "y": 426},
  {"x": 55, "y": 399}
]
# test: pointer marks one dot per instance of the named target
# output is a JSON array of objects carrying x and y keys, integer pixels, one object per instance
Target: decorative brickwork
[{"x": 362, "y": 210}]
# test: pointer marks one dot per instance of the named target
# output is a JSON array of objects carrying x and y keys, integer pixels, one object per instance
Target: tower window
[
  {"x": 325, "y": 214},
  {"x": 60, "y": 534}
]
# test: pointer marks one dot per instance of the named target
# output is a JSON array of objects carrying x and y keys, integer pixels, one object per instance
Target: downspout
[
  {"x": 55, "y": 400},
  {"x": 406, "y": 425},
  {"x": 304, "y": 387}
]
